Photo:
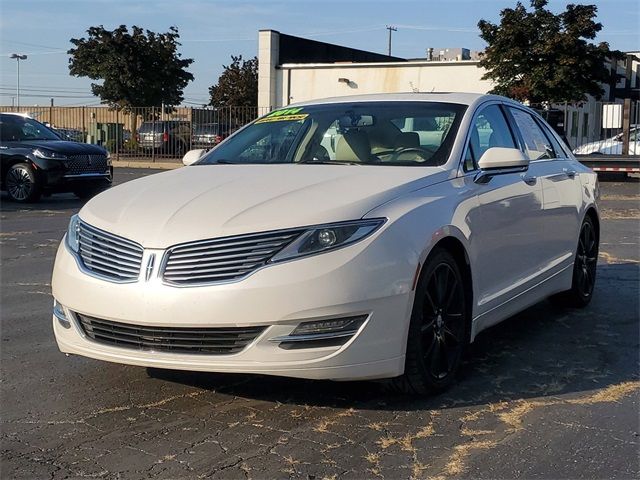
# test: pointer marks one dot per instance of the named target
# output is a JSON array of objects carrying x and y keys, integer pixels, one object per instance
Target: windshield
[
  {"x": 14, "y": 128},
  {"x": 380, "y": 133}
]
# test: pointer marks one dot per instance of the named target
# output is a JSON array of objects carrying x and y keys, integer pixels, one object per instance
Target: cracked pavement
[{"x": 546, "y": 394}]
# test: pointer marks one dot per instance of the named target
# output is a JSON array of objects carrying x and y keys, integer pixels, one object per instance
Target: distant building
[
  {"x": 293, "y": 69},
  {"x": 448, "y": 54}
]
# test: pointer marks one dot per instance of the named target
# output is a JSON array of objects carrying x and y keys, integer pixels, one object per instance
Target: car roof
[
  {"x": 449, "y": 97},
  {"x": 17, "y": 114}
]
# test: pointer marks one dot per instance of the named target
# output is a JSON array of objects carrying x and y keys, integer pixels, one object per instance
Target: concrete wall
[
  {"x": 297, "y": 83},
  {"x": 268, "y": 58}
]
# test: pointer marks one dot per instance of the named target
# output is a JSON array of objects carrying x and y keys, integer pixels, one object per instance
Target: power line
[
  {"x": 44, "y": 90},
  {"x": 48, "y": 47},
  {"x": 32, "y": 95}
]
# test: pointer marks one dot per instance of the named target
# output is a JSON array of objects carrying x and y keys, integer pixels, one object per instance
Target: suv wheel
[{"x": 22, "y": 184}]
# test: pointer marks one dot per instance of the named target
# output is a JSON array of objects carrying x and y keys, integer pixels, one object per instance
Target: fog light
[
  {"x": 58, "y": 312},
  {"x": 348, "y": 325},
  {"x": 332, "y": 332}
]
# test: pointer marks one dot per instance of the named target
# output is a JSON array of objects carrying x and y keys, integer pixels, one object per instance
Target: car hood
[
  {"x": 62, "y": 146},
  {"x": 201, "y": 202}
]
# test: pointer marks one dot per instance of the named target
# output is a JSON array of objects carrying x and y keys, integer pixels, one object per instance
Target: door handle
[
  {"x": 569, "y": 173},
  {"x": 529, "y": 179}
]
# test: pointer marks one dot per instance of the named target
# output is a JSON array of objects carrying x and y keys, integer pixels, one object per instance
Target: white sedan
[
  {"x": 377, "y": 251},
  {"x": 613, "y": 145}
]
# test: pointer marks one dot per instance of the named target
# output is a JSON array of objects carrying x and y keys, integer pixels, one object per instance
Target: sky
[{"x": 211, "y": 31}]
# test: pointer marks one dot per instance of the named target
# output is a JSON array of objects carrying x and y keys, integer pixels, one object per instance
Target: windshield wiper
[{"x": 328, "y": 162}]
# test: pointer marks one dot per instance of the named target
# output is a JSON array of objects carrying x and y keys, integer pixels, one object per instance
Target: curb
[{"x": 153, "y": 165}]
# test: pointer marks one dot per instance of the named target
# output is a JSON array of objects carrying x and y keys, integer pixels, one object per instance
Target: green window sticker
[{"x": 284, "y": 115}]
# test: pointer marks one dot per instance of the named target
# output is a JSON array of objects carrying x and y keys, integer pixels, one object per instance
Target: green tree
[
  {"x": 237, "y": 85},
  {"x": 543, "y": 57},
  {"x": 138, "y": 68}
]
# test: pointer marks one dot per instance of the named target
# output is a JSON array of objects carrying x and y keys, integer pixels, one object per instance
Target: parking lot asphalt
[{"x": 547, "y": 394}]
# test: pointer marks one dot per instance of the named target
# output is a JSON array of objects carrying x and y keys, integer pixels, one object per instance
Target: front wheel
[
  {"x": 438, "y": 332},
  {"x": 22, "y": 183},
  {"x": 584, "y": 269}
]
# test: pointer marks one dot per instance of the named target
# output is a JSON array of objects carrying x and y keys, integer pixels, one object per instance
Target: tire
[
  {"x": 584, "y": 269},
  {"x": 22, "y": 184},
  {"x": 438, "y": 331}
]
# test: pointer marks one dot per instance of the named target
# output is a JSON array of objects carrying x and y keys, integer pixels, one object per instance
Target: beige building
[{"x": 281, "y": 81}]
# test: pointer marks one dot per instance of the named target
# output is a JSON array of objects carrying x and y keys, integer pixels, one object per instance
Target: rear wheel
[
  {"x": 438, "y": 328},
  {"x": 22, "y": 183},
  {"x": 584, "y": 269}
]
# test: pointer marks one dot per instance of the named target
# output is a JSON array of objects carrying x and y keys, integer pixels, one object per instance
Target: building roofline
[{"x": 409, "y": 63}]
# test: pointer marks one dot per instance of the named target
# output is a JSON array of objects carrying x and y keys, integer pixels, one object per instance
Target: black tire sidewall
[
  {"x": 580, "y": 298},
  {"x": 415, "y": 370}
]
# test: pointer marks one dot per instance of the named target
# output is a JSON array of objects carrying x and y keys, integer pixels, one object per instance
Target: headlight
[
  {"x": 48, "y": 155},
  {"x": 73, "y": 234},
  {"x": 328, "y": 237}
]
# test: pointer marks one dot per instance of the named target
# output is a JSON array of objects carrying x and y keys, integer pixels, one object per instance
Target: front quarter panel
[{"x": 424, "y": 217}]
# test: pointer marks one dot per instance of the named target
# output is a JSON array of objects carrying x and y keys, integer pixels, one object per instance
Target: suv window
[
  {"x": 489, "y": 129},
  {"x": 535, "y": 140}
]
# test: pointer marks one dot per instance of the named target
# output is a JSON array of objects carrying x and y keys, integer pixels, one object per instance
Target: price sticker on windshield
[{"x": 285, "y": 115}]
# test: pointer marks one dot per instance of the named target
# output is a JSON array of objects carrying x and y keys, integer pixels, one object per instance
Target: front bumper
[
  {"x": 55, "y": 177},
  {"x": 342, "y": 283}
]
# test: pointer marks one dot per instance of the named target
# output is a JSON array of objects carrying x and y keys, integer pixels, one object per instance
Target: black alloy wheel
[
  {"x": 584, "y": 269},
  {"x": 21, "y": 183},
  {"x": 438, "y": 332},
  {"x": 442, "y": 321},
  {"x": 586, "y": 260}
]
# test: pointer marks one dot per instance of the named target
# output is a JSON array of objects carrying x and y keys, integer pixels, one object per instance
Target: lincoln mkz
[{"x": 362, "y": 237}]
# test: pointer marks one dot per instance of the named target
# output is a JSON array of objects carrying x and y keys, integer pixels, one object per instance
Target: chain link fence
[{"x": 144, "y": 133}]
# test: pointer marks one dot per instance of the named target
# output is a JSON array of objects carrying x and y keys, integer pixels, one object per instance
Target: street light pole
[{"x": 18, "y": 57}]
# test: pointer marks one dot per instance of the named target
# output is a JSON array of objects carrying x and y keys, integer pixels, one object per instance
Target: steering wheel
[{"x": 423, "y": 152}]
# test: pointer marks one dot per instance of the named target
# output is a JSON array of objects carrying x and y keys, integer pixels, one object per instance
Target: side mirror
[
  {"x": 500, "y": 161},
  {"x": 192, "y": 156}
]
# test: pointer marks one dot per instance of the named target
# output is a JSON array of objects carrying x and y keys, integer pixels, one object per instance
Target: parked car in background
[
  {"x": 208, "y": 135},
  {"x": 613, "y": 145},
  {"x": 36, "y": 161},
  {"x": 434, "y": 217},
  {"x": 165, "y": 136}
]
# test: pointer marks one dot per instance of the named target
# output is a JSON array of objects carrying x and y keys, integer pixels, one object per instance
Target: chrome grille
[
  {"x": 223, "y": 259},
  {"x": 210, "y": 341},
  {"x": 109, "y": 255},
  {"x": 79, "y": 164}
]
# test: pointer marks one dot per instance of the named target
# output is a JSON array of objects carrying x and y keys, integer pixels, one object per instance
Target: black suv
[
  {"x": 36, "y": 161},
  {"x": 165, "y": 136}
]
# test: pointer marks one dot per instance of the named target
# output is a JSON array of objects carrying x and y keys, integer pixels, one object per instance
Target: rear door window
[{"x": 536, "y": 142}]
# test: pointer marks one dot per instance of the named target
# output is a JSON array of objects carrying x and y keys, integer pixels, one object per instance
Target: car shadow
[
  {"x": 543, "y": 351},
  {"x": 61, "y": 201}
]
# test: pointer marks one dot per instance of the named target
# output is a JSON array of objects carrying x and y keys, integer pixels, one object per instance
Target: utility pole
[
  {"x": 18, "y": 57},
  {"x": 391, "y": 28}
]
